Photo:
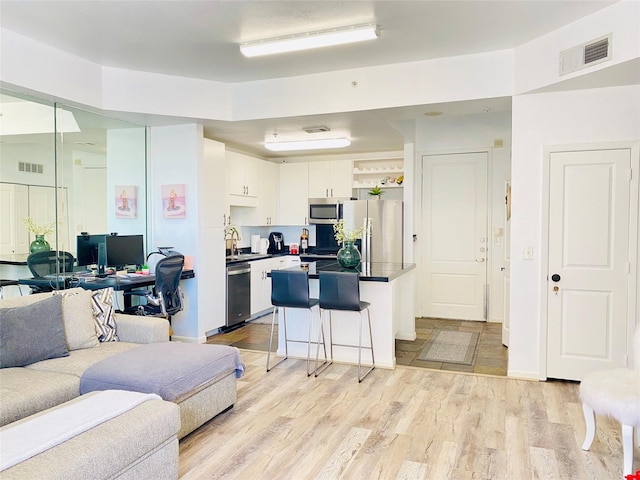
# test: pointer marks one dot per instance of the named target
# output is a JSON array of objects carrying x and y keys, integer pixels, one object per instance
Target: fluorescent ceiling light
[
  {"x": 307, "y": 144},
  {"x": 306, "y": 41}
]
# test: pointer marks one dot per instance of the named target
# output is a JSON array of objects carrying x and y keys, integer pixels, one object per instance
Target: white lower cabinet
[{"x": 261, "y": 283}]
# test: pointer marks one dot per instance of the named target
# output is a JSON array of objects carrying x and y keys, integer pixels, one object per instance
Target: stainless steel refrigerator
[{"x": 386, "y": 220}]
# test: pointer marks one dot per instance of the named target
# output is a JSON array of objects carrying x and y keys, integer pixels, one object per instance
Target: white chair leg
[
  {"x": 590, "y": 422},
  {"x": 627, "y": 449}
]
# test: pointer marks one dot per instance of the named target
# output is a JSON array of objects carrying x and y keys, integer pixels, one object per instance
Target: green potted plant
[
  {"x": 39, "y": 244},
  {"x": 376, "y": 192},
  {"x": 348, "y": 256}
]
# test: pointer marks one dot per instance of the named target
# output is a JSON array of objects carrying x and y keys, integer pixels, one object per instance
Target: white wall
[
  {"x": 537, "y": 62},
  {"x": 175, "y": 154},
  {"x": 539, "y": 120},
  {"x": 181, "y": 155},
  {"x": 126, "y": 165},
  {"x": 464, "y": 133}
]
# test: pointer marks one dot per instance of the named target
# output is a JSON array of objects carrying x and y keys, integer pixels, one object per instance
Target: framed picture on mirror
[{"x": 126, "y": 198}]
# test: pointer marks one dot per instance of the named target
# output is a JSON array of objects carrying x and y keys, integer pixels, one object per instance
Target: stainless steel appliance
[
  {"x": 325, "y": 240},
  {"x": 326, "y": 210},
  {"x": 276, "y": 243},
  {"x": 386, "y": 220},
  {"x": 238, "y": 293}
]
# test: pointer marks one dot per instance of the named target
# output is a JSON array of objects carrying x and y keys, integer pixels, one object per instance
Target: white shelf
[{"x": 382, "y": 172}]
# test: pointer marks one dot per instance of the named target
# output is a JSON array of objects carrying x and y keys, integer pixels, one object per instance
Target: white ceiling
[{"x": 199, "y": 39}]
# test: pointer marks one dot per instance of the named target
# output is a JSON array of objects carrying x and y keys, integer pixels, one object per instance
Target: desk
[{"x": 121, "y": 283}]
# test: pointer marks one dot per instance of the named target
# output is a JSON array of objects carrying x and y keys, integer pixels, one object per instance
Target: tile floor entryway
[{"x": 490, "y": 357}]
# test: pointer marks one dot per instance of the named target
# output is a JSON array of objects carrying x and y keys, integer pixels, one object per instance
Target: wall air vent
[
  {"x": 585, "y": 55},
  {"x": 30, "y": 167}
]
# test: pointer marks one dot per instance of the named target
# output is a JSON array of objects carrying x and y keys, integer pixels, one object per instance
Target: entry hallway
[{"x": 409, "y": 423}]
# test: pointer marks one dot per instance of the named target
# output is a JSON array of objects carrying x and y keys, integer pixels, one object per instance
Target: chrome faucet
[{"x": 231, "y": 233}]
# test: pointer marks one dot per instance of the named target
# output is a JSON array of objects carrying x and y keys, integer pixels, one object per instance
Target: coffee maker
[{"x": 276, "y": 242}]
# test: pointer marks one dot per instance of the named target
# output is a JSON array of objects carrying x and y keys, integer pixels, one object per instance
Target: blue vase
[
  {"x": 348, "y": 255},
  {"x": 39, "y": 245}
]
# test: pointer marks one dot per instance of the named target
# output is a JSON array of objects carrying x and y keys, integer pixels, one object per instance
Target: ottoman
[{"x": 199, "y": 378}]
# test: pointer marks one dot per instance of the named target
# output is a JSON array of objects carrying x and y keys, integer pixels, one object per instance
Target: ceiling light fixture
[
  {"x": 307, "y": 144},
  {"x": 306, "y": 41}
]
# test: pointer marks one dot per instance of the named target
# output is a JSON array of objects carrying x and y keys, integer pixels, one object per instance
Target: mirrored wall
[{"x": 65, "y": 171}]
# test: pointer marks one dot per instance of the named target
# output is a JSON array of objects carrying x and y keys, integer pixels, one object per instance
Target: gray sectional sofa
[{"x": 106, "y": 352}]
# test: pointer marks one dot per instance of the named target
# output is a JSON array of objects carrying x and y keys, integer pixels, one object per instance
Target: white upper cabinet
[
  {"x": 242, "y": 179},
  {"x": 293, "y": 196},
  {"x": 267, "y": 193},
  {"x": 14, "y": 206},
  {"x": 332, "y": 178}
]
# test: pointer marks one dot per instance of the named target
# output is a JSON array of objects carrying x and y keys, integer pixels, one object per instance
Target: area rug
[{"x": 450, "y": 346}]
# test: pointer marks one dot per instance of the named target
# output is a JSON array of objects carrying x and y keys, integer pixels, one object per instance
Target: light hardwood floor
[{"x": 407, "y": 423}]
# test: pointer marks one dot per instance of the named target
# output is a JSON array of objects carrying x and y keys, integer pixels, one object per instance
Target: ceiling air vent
[
  {"x": 318, "y": 129},
  {"x": 585, "y": 55}
]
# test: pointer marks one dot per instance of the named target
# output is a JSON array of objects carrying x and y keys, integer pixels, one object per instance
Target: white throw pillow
[{"x": 77, "y": 316}]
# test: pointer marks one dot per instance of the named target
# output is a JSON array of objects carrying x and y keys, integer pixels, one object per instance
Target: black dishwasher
[{"x": 238, "y": 293}]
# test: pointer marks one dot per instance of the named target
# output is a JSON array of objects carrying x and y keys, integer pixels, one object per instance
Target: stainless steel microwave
[{"x": 326, "y": 210}]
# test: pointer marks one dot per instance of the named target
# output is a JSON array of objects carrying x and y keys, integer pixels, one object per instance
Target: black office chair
[
  {"x": 290, "y": 289},
  {"x": 51, "y": 262},
  {"x": 341, "y": 291},
  {"x": 166, "y": 298}
]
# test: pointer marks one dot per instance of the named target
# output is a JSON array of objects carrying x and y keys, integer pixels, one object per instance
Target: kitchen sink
[{"x": 245, "y": 256}]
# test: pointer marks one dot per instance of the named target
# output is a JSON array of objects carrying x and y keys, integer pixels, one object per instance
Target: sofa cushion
[
  {"x": 77, "y": 314},
  {"x": 25, "y": 391},
  {"x": 32, "y": 333},
  {"x": 79, "y": 360},
  {"x": 103, "y": 315},
  {"x": 124, "y": 447}
]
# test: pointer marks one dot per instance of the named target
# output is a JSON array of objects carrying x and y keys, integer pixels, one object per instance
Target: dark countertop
[
  {"x": 250, "y": 257},
  {"x": 14, "y": 259},
  {"x": 246, "y": 256},
  {"x": 373, "y": 272}
]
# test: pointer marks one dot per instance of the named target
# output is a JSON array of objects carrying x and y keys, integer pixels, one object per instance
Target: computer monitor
[
  {"x": 123, "y": 250},
  {"x": 87, "y": 249}
]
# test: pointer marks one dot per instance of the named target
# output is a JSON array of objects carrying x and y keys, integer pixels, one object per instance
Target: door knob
[{"x": 555, "y": 277}]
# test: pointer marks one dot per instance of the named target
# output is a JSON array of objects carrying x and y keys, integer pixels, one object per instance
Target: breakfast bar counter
[{"x": 388, "y": 287}]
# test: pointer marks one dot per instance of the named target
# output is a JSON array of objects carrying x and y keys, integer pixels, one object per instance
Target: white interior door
[
  {"x": 454, "y": 229},
  {"x": 506, "y": 266},
  {"x": 589, "y": 207},
  {"x": 94, "y": 213}
]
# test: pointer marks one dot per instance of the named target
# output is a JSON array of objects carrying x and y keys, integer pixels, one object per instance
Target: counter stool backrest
[
  {"x": 340, "y": 291},
  {"x": 290, "y": 289}
]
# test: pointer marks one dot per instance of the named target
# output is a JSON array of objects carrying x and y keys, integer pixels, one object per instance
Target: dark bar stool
[
  {"x": 290, "y": 289},
  {"x": 341, "y": 291}
]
